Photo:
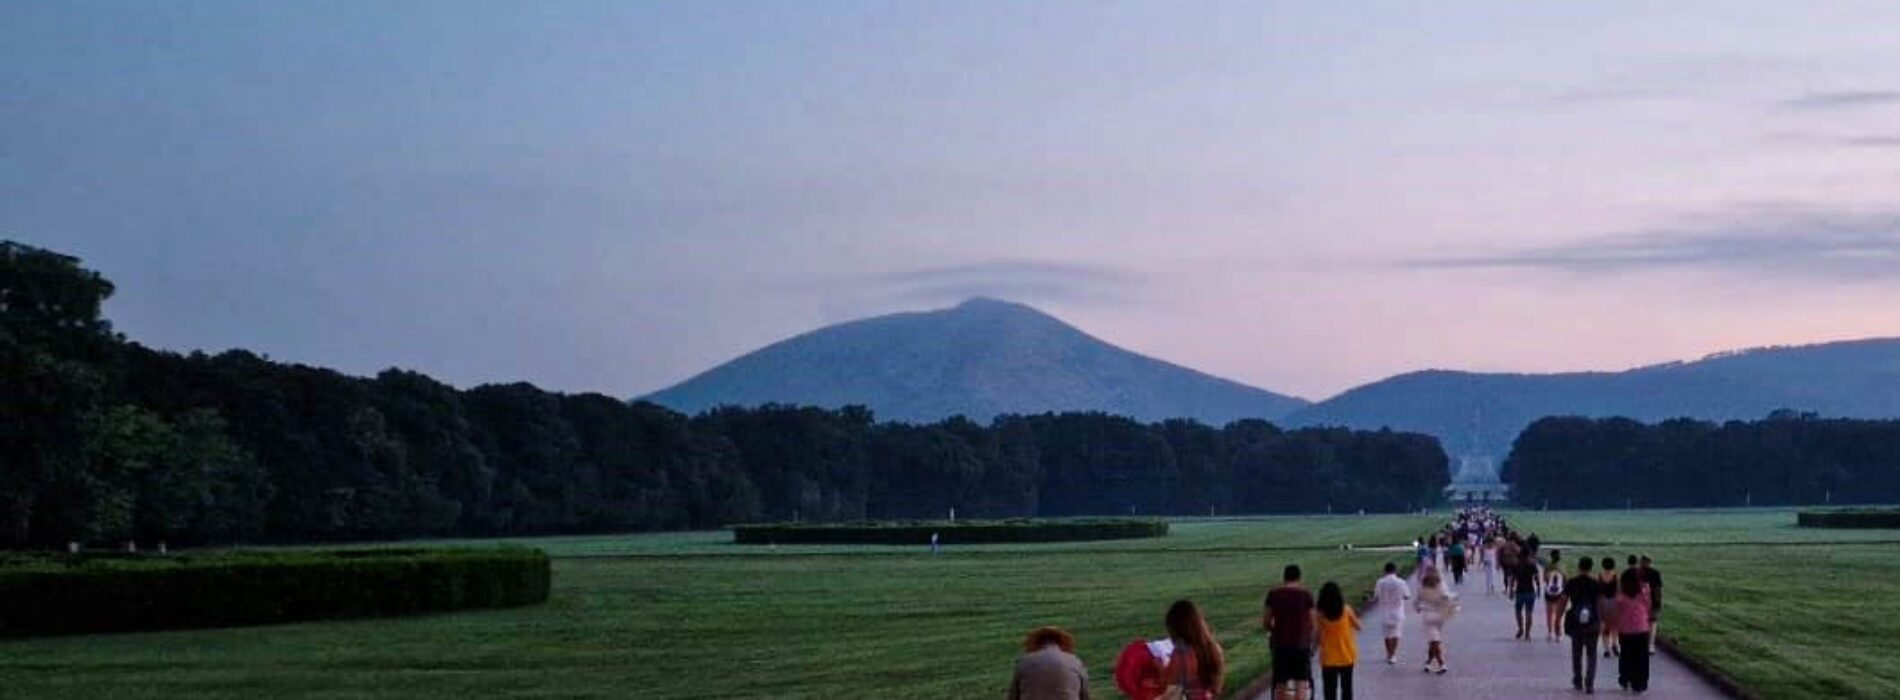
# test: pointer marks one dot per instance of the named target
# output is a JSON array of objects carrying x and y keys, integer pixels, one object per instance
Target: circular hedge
[
  {"x": 75, "y": 595},
  {"x": 1851, "y": 518},
  {"x": 961, "y": 532}
]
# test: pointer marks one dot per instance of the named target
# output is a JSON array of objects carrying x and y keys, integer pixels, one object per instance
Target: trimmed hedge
[
  {"x": 962, "y": 532},
  {"x": 1870, "y": 519},
  {"x": 77, "y": 595}
]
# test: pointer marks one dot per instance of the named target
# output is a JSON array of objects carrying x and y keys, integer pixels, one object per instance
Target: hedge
[
  {"x": 76, "y": 595},
  {"x": 1885, "y": 518},
  {"x": 963, "y": 532}
]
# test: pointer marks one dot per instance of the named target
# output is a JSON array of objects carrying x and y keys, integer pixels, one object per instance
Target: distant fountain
[
  {"x": 1475, "y": 468},
  {"x": 1476, "y": 477}
]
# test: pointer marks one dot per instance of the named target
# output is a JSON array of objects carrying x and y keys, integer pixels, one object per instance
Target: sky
[{"x": 1302, "y": 196}]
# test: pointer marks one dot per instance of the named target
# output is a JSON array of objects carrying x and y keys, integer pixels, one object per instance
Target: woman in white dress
[{"x": 1436, "y": 606}]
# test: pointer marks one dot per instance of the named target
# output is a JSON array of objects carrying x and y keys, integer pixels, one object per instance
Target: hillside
[
  {"x": 1479, "y": 414},
  {"x": 981, "y": 358}
]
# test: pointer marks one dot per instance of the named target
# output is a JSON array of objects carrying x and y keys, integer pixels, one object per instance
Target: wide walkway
[{"x": 1486, "y": 663}]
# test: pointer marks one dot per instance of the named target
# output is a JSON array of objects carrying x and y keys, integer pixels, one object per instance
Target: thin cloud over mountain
[
  {"x": 1030, "y": 279},
  {"x": 1845, "y": 99}
]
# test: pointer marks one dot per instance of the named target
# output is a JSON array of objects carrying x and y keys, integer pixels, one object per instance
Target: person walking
[
  {"x": 1338, "y": 642},
  {"x": 1289, "y": 620},
  {"x": 1049, "y": 669},
  {"x": 1436, "y": 606},
  {"x": 1198, "y": 665},
  {"x": 1633, "y": 626},
  {"x": 1524, "y": 582},
  {"x": 1607, "y": 582},
  {"x": 1655, "y": 580},
  {"x": 1583, "y": 626},
  {"x": 1456, "y": 558},
  {"x": 1490, "y": 563},
  {"x": 1554, "y": 600},
  {"x": 1391, "y": 595}
]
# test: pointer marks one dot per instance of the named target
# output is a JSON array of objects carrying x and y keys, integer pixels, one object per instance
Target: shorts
[
  {"x": 1552, "y": 600},
  {"x": 1435, "y": 630},
  {"x": 1526, "y": 601},
  {"x": 1392, "y": 625},
  {"x": 1292, "y": 664}
]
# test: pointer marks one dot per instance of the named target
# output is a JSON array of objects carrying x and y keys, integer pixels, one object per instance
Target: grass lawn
[
  {"x": 1789, "y": 620},
  {"x": 690, "y": 615}
]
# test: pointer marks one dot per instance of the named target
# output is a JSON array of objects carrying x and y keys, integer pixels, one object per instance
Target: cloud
[
  {"x": 1872, "y": 141},
  {"x": 1826, "y": 246},
  {"x": 1014, "y": 279},
  {"x": 1846, "y": 99}
]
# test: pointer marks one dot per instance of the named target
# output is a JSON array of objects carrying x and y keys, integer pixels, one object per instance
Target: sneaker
[
  {"x": 1426, "y": 668},
  {"x": 1442, "y": 670}
]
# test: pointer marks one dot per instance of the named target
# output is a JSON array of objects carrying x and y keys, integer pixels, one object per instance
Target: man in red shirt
[{"x": 1291, "y": 628}]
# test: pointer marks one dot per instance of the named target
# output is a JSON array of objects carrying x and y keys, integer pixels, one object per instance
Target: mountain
[
  {"x": 1477, "y": 416},
  {"x": 981, "y": 358}
]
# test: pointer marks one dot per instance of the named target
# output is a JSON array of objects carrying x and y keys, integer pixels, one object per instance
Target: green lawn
[
  {"x": 1795, "y": 619},
  {"x": 1687, "y": 527},
  {"x": 786, "y": 623}
]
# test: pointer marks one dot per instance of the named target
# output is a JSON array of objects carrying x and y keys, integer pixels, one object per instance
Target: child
[{"x": 1338, "y": 642}]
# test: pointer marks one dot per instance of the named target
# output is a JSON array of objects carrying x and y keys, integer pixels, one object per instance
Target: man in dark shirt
[
  {"x": 1290, "y": 627},
  {"x": 1654, "y": 579},
  {"x": 1582, "y": 625},
  {"x": 1524, "y": 580}
]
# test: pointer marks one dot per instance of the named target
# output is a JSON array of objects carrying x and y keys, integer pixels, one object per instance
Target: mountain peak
[{"x": 981, "y": 358}]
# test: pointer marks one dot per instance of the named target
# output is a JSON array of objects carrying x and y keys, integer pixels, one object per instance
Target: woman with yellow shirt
[{"x": 1338, "y": 642}]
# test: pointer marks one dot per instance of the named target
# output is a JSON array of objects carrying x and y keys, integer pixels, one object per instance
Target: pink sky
[{"x": 1302, "y": 197}]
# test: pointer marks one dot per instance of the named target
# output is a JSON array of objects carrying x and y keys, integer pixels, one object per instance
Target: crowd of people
[{"x": 1598, "y": 609}]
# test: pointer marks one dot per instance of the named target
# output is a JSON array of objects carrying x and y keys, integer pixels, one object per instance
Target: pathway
[{"x": 1487, "y": 664}]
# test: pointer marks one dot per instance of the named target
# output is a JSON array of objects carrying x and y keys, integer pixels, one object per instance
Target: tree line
[
  {"x": 103, "y": 439},
  {"x": 1789, "y": 458}
]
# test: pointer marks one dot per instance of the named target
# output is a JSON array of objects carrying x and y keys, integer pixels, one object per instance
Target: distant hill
[
  {"x": 1479, "y": 415},
  {"x": 981, "y": 358}
]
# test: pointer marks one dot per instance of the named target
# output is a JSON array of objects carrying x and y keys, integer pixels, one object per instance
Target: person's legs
[
  {"x": 1637, "y": 651},
  {"x": 1583, "y": 661},
  {"x": 1655, "y": 622},
  {"x": 1345, "y": 683},
  {"x": 1589, "y": 662},
  {"x": 1624, "y": 663},
  {"x": 1329, "y": 681},
  {"x": 1391, "y": 648}
]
